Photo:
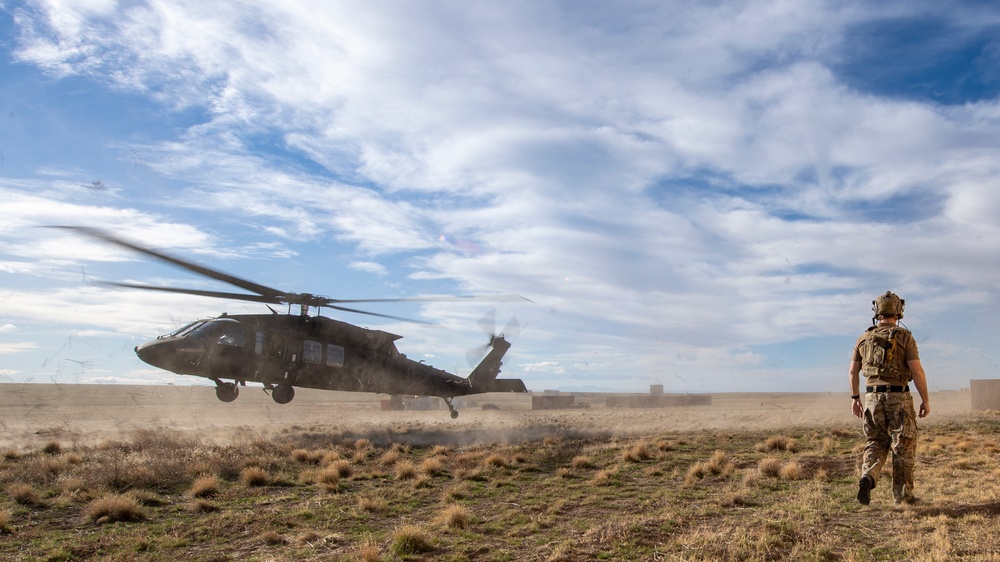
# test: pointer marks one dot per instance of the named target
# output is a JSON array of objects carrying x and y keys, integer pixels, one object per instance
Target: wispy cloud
[{"x": 672, "y": 184}]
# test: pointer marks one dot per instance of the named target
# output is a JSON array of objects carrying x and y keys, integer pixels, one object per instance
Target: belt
[{"x": 887, "y": 388}]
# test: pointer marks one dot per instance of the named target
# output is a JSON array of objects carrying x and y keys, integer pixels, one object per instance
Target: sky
[{"x": 703, "y": 195}]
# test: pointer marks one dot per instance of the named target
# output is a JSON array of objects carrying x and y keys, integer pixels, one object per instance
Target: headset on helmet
[{"x": 888, "y": 304}]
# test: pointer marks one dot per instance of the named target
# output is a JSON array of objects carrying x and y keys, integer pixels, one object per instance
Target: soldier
[{"x": 887, "y": 355}]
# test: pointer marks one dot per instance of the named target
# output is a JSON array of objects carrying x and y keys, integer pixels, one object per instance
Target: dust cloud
[{"x": 32, "y": 415}]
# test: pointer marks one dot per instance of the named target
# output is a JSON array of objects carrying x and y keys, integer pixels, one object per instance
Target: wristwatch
[{"x": 855, "y": 397}]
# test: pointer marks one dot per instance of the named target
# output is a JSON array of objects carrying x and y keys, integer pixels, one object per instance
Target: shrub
[
  {"x": 329, "y": 478},
  {"x": 204, "y": 487},
  {"x": 495, "y": 460},
  {"x": 307, "y": 457},
  {"x": 432, "y": 466},
  {"x": 638, "y": 452},
  {"x": 769, "y": 466},
  {"x": 405, "y": 470},
  {"x": 791, "y": 471},
  {"x": 343, "y": 468},
  {"x": 112, "y": 508},
  {"x": 5, "y": 524},
  {"x": 389, "y": 457},
  {"x": 718, "y": 465},
  {"x": 778, "y": 443},
  {"x": 582, "y": 461},
  {"x": 24, "y": 494},
  {"x": 455, "y": 516},
  {"x": 254, "y": 476},
  {"x": 52, "y": 448},
  {"x": 410, "y": 540}
]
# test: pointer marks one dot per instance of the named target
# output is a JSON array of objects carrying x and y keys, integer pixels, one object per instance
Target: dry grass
[
  {"x": 410, "y": 540},
  {"x": 113, "y": 508},
  {"x": 638, "y": 452},
  {"x": 455, "y": 517},
  {"x": 770, "y": 466},
  {"x": 24, "y": 494},
  {"x": 204, "y": 487},
  {"x": 699, "y": 495},
  {"x": 717, "y": 466},
  {"x": 432, "y": 466},
  {"x": 255, "y": 476},
  {"x": 405, "y": 470},
  {"x": 777, "y": 443}
]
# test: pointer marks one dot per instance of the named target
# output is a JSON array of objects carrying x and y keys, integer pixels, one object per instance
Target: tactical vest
[{"x": 882, "y": 355}]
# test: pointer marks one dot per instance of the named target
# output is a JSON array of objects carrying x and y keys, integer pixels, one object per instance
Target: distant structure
[
  {"x": 658, "y": 401},
  {"x": 552, "y": 402},
  {"x": 985, "y": 394},
  {"x": 656, "y": 390}
]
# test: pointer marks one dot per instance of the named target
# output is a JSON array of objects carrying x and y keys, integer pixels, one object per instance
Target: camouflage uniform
[{"x": 890, "y": 421}]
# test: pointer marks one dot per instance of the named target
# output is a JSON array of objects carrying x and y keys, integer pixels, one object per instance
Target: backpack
[{"x": 881, "y": 356}]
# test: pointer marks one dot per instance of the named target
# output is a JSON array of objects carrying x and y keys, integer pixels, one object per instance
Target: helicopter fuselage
[{"x": 283, "y": 351}]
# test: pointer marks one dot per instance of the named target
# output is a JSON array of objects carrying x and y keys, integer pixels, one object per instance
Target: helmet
[{"x": 888, "y": 304}]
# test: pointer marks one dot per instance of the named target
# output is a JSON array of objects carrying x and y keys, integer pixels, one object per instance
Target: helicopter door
[{"x": 279, "y": 358}]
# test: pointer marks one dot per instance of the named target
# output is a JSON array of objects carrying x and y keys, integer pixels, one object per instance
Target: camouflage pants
[{"x": 890, "y": 424}]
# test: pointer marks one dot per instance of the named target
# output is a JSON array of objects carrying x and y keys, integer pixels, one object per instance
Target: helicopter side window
[
  {"x": 312, "y": 352},
  {"x": 334, "y": 356},
  {"x": 258, "y": 347}
]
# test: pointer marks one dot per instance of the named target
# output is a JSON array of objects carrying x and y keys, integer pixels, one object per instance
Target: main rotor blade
[
  {"x": 344, "y": 308},
  {"x": 201, "y": 270},
  {"x": 445, "y": 298},
  {"x": 197, "y": 292}
]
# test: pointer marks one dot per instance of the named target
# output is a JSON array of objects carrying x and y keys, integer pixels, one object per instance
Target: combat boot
[{"x": 865, "y": 486}]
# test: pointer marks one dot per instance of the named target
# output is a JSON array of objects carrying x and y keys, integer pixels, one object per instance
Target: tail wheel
[
  {"x": 227, "y": 391},
  {"x": 283, "y": 393}
]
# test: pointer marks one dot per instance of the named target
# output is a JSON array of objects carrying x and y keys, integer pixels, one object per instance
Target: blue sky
[{"x": 701, "y": 195}]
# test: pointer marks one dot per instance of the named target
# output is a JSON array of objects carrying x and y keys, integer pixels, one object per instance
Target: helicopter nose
[
  {"x": 172, "y": 355},
  {"x": 149, "y": 353}
]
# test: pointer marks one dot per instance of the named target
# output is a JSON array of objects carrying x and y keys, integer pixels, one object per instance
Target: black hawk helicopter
[{"x": 284, "y": 351}]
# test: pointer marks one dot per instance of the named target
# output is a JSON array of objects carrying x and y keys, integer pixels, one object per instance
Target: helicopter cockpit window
[
  {"x": 334, "y": 356},
  {"x": 186, "y": 329},
  {"x": 312, "y": 351},
  {"x": 223, "y": 331}
]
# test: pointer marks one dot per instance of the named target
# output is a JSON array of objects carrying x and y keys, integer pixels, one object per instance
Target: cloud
[
  {"x": 8, "y": 348},
  {"x": 681, "y": 181}
]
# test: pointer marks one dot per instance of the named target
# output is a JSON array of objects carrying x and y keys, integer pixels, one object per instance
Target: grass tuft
[
  {"x": 778, "y": 443},
  {"x": 410, "y": 540},
  {"x": 405, "y": 470},
  {"x": 255, "y": 476},
  {"x": 455, "y": 516},
  {"x": 24, "y": 494},
  {"x": 204, "y": 487},
  {"x": 113, "y": 508}
]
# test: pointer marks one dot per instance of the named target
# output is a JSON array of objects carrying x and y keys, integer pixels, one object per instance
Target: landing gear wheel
[
  {"x": 227, "y": 391},
  {"x": 283, "y": 393},
  {"x": 454, "y": 412}
]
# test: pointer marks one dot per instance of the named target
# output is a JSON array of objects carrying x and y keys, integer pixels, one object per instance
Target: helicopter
[{"x": 285, "y": 351}]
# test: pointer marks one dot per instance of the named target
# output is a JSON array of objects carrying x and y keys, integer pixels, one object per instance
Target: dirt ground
[{"x": 34, "y": 414}]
